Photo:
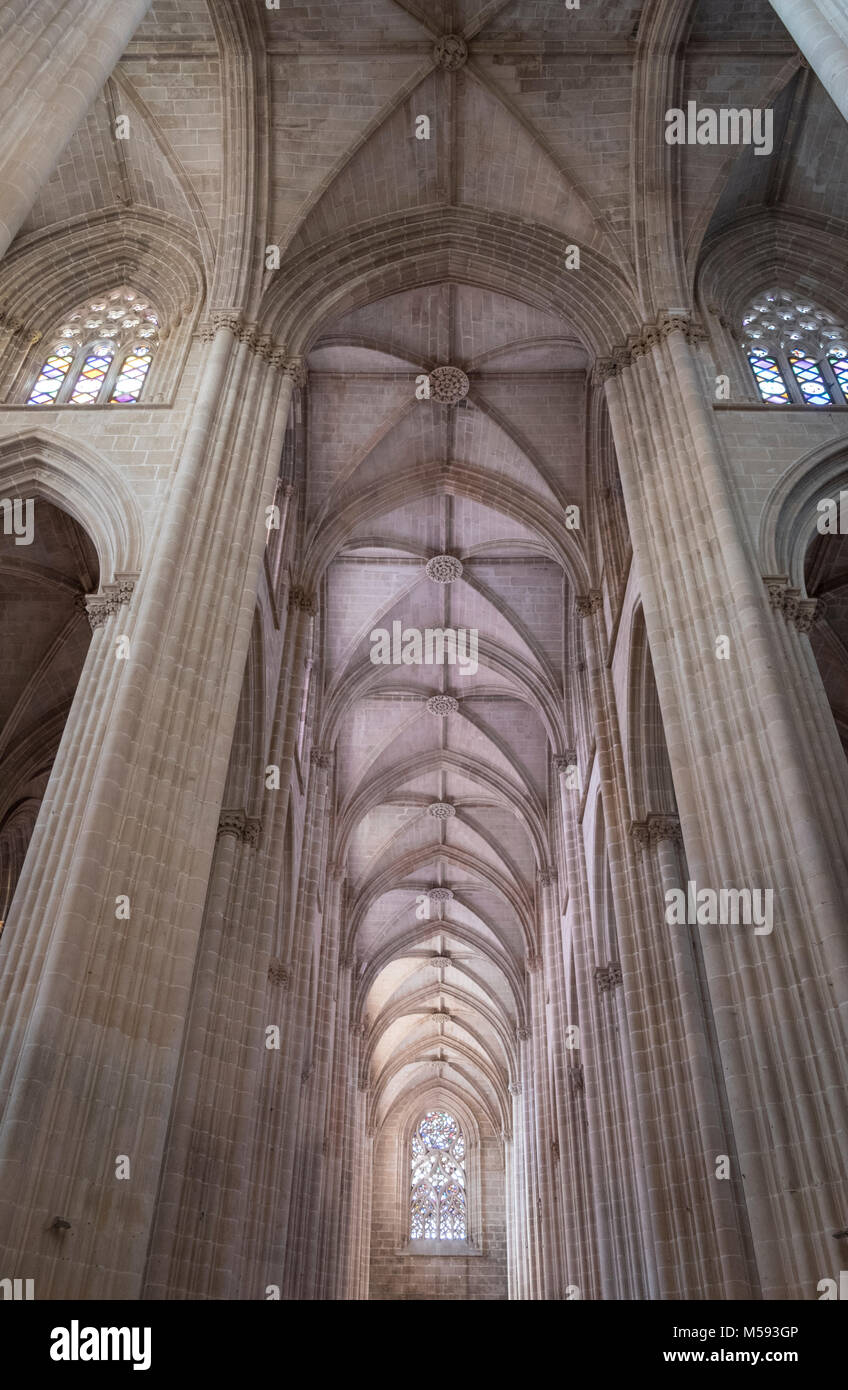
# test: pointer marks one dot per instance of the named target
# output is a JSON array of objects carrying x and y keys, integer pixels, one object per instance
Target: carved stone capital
[
  {"x": 655, "y": 829},
  {"x": 234, "y": 821},
  {"x": 799, "y": 612},
  {"x": 114, "y": 596},
  {"x": 522, "y": 1034},
  {"x": 295, "y": 368},
  {"x": 534, "y": 964},
  {"x": 303, "y": 600},
  {"x": 607, "y": 977},
  {"x": 321, "y": 757},
  {"x": 231, "y": 822},
  {"x": 279, "y": 973},
  {"x": 561, "y": 763},
  {"x": 514, "y": 1088},
  {"x": 590, "y": 603},
  {"x": 649, "y": 336}
]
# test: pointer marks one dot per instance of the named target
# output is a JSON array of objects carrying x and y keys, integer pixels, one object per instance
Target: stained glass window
[
  {"x": 809, "y": 378},
  {"x": 797, "y": 351},
  {"x": 102, "y": 353},
  {"x": 52, "y": 375},
  {"x": 93, "y": 374},
  {"x": 437, "y": 1205},
  {"x": 130, "y": 380},
  {"x": 839, "y": 366},
  {"x": 769, "y": 378}
]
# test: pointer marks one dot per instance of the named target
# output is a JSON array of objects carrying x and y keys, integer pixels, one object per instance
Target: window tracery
[
  {"x": 798, "y": 352},
  {"x": 438, "y": 1208},
  {"x": 101, "y": 354}
]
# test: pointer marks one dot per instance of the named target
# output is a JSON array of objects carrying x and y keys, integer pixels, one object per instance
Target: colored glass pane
[
  {"x": 809, "y": 378},
  {"x": 839, "y": 365},
  {"x": 134, "y": 369},
  {"x": 769, "y": 378},
  {"x": 438, "y": 1203},
  {"x": 90, "y": 379},
  {"x": 51, "y": 376}
]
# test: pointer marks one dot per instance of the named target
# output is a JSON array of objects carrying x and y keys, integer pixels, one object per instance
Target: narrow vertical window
[
  {"x": 809, "y": 378},
  {"x": 769, "y": 378},
  {"x": 134, "y": 369},
  {"x": 839, "y": 366},
  {"x": 437, "y": 1208},
  {"x": 93, "y": 374},
  {"x": 52, "y": 375}
]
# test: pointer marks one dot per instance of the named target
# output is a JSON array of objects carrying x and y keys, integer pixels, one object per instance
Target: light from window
[
  {"x": 768, "y": 376},
  {"x": 797, "y": 351},
  {"x": 839, "y": 366},
  {"x": 102, "y": 353},
  {"x": 437, "y": 1205},
  {"x": 809, "y": 378},
  {"x": 52, "y": 375},
  {"x": 131, "y": 376},
  {"x": 93, "y": 374}
]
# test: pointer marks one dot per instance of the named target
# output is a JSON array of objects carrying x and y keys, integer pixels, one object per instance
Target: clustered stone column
[
  {"x": 820, "y": 29},
  {"x": 110, "y": 904},
  {"x": 51, "y": 74},
  {"x": 731, "y": 726}
]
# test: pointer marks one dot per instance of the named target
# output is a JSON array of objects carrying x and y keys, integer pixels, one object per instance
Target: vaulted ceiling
[{"x": 544, "y": 123}]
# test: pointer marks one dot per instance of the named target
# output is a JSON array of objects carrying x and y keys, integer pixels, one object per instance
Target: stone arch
[
  {"x": 788, "y": 519},
  {"x": 78, "y": 480},
  {"x": 488, "y": 250},
  {"x": 49, "y": 272}
]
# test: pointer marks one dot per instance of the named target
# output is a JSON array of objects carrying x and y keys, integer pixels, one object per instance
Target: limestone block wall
[{"x": 421, "y": 1277}]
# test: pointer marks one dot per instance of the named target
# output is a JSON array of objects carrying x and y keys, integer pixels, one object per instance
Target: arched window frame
[
  {"x": 125, "y": 342},
  {"x": 473, "y": 1243},
  {"x": 780, "y": 323}
]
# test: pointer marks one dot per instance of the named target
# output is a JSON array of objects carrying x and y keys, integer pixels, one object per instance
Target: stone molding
[
  {"x": 799, "y": 612},
  {"x": 577, "y": 1079},
  {"x": 320, "y": 757},
  {"x": 640, "y": 344},
  {"x": 99, "y": 607},
  {"x": 514, "y": 1088},
  {"x": 546, "y": 878},
  {"x": 534, "y": 964},
  {"x": 440, "y": 960}
]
